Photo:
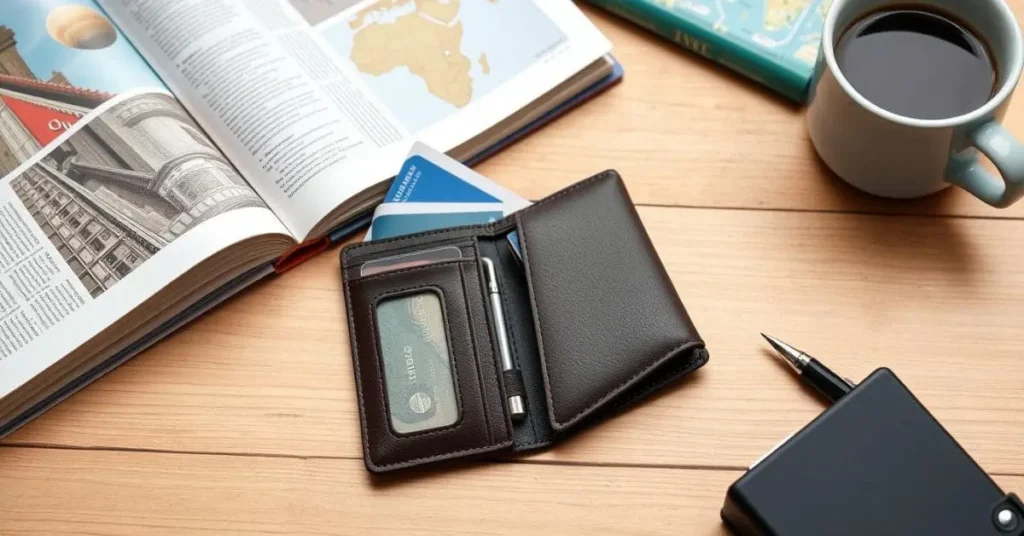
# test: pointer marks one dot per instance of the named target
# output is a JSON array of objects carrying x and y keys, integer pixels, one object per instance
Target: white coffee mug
[{"x": 891, "y": 155}]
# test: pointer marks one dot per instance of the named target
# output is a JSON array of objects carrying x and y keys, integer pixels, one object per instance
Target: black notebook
[{"x": 874, "y": 464}]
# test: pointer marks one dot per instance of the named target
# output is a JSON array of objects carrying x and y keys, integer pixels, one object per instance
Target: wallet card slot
[
  {"x": 354, "y": 265},
  {"x": 607, "y": 317},
  {"x": 481, "y": 425}
]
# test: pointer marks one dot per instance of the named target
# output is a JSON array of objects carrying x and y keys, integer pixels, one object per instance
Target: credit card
[
  {"x": 410, "y": 260},
  {"x": 433, "y": 191},
  {"x": 513, "y": 242},
  {"x": 398, "y": 220},
  {"x": 430, "y": 176},
  {"x": 418, "y": 375}
]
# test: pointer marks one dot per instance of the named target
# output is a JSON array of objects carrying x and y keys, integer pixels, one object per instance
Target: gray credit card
[
  {"x": 410, "y": 260},
  {"x": 417, "y": 363}
]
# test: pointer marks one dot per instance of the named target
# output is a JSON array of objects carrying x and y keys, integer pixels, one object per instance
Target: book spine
[{"x": 745, "y": 60}]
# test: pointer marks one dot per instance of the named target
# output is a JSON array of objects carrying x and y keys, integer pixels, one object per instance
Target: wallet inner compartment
[{"x": 534, "y": 430}]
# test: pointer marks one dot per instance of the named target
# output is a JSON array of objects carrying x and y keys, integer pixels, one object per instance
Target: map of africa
[
  {"x": 426, "y": 59},
  {"x": 788, "y": 29}
]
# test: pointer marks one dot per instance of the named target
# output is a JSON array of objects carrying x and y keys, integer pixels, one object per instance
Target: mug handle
[{"x": 1007, "y": 154}]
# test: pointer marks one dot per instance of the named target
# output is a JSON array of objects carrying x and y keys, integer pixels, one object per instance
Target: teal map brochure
[{"x": 774, "y": 42}]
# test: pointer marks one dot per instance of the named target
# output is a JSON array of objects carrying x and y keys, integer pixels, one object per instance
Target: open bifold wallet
[{"x": 510, "y": 335}]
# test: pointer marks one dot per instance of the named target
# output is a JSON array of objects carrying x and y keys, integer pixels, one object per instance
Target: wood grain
[
  {"x": 62, "y": 492},
  {"x": 246, "y": 422},
  {"x": 684, "y": 131},
  {"x": 936, "y": 299}
]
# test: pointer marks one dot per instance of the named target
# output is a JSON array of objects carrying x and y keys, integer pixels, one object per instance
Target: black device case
[
  {"x": 593, "y": 319},
  {"x": 876, "y": 463}
]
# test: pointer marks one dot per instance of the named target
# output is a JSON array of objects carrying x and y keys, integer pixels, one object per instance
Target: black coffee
[{"x": 917, "y": 63}]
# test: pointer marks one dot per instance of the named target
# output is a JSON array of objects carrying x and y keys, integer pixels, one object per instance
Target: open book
[{"x": 158, "y": 156}]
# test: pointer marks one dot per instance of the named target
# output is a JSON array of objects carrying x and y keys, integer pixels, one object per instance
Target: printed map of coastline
[
  {"x": 427, "y": 59},
  {"x": 781, "y": 26},
  {"x": 444, "y": 68}
]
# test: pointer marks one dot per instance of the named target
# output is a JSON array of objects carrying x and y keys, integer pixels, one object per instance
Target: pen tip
[
  {"x": 776, "y": 343},
  {"x": 794, "y": 356}
]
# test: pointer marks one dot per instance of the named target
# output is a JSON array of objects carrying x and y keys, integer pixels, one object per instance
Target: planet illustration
[{"x": 81, "y": 27}]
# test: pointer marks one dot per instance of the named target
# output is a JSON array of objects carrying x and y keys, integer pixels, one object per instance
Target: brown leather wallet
[{"x": 592, "y": 319}]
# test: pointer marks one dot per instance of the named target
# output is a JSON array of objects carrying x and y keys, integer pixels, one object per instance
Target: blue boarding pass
[{"x": 433, "y": 191}]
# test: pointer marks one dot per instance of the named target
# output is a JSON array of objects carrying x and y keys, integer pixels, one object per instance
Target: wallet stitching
[
  {"x": 646, "y": 370},
  {"x": 698, "y": 360},
  {"x": 455, "y": 374},
  {"x": 540, "y": 338},
  {"x": 350, "y": 249},
  {"x": 476, "y": 356},
  {"x": 355, "y": 362},
  {"x": 533, "y": 443},
  {"x": 541, "y": 350},
  {"x": 446, "y": 455}
]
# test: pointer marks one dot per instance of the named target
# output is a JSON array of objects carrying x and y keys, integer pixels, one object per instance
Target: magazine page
[
  {"x": 110, "y": 191},
  {"x": 317, "y": 100}
]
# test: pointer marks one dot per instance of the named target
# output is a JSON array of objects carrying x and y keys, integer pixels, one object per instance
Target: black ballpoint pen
[{"x": 827, "y": 383}]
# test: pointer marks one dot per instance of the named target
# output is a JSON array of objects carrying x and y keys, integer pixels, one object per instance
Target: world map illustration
[{"x": 426, "y": 59}]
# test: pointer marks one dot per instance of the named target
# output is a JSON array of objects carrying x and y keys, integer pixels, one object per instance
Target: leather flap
[{"x": 607, "y": 316}]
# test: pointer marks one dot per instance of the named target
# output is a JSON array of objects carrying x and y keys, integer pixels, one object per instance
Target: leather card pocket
[
  {"x": 359, "y": 262},
  {"x": 426, "y": 375}
]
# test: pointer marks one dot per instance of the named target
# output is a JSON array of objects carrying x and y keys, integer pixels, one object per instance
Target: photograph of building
[
  {"x": 59, "y": 60},
  {"x": 34, "y": 112},
  {"x": 127, "y": 184}
]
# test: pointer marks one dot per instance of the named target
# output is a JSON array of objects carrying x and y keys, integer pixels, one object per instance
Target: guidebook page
[
  {"x": 317, "y": 100},
  {"x": 447, "y": 70},
  {"x": 270, "y": 118},
  {"x": 110, "y": 190}
]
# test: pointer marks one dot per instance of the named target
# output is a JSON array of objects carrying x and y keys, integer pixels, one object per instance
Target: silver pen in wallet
[{"x": 515, "y": 403}]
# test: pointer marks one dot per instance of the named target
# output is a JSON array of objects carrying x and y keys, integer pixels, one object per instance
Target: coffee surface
[{"x": 917, "y": 63}]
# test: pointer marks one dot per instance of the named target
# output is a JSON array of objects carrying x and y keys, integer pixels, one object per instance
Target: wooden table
[{"x": 246, "y": 421}]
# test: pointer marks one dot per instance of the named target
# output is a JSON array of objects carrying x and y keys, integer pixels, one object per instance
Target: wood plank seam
[{"x": 508, "y": 461}]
